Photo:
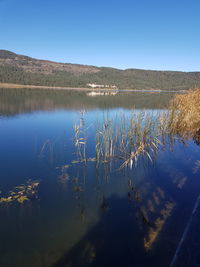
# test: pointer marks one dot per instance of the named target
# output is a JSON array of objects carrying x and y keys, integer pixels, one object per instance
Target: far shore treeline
[{"x": 25, "y": 70}]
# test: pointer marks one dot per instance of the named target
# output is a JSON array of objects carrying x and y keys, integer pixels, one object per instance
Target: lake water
[{"x": 88, "y": 215}]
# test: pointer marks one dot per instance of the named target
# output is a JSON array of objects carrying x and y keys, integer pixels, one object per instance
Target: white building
[{"x": 94, "y": 85}]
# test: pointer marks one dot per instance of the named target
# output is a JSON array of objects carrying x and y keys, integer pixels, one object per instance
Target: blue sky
[{"x": 145, "y": 34}]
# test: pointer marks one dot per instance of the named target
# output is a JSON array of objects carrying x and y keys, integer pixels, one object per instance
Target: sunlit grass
[
  {"x": 125, "y": 139},
  {"x": 185, "y": 114},
  {"x": 141, "y": 134}
]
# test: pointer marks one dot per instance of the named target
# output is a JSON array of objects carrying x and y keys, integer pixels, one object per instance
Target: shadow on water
[
  {"x": 116, "y": 240},
  {"x": 110, "y": 242}
]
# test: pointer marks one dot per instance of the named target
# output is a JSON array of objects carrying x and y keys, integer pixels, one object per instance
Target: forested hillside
[{"x": 20, "y": 69}]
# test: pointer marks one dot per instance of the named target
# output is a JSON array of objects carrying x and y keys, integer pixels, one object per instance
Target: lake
[{"x": 81, "y": 213}]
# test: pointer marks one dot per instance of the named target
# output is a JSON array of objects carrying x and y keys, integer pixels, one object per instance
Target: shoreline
[{"x": 22, "y": 86}]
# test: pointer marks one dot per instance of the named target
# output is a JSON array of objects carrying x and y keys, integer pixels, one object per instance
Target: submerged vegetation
[{"x": 21, "y": 193}]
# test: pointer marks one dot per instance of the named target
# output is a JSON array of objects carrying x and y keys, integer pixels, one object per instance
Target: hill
[{"x": 20, "y": 69}]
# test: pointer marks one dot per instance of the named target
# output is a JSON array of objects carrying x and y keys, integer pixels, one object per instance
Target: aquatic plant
[
  {"x": 133, "y": 137},
  {"x": 80, "y": 138},
  {"x": 22, "y": 193},
  {"x": 141, "y": 134},
  {"x": 141, "y": 139},
  {"x": 104, "y": 148}
]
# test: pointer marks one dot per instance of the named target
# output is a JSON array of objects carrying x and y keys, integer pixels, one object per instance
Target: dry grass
[
  {"x": 128, "y": 139},
  {"x": 185, "y": 114},
  {"x": 140, "y": 136}
]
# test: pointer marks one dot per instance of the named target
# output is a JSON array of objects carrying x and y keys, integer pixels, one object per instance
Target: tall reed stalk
[
  {"x": 142, "y": 134},
  {"x": 133, "y": 137},
  {"x": 80, "y": 139}
]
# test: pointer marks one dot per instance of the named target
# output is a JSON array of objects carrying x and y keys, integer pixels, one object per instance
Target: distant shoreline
[{"x": 23, "y": 86}]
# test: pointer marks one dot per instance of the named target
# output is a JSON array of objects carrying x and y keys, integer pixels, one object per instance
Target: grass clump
[
  {"x": 128, "y": 139},
  {"x": 140, "y": 136},
  {"x": 185, "y": 114}
]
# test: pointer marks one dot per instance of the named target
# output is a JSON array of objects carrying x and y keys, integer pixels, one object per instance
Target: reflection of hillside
[{"x": 17, "y": 101}]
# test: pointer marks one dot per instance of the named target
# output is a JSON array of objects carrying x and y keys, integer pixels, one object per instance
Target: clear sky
[{"x": 146, "y": 34}]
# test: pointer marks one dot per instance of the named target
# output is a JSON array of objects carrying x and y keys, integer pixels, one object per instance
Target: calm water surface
[{"x": 87, "y": 215}]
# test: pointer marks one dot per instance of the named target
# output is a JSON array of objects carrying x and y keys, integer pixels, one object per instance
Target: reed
[
  {"x": 104, "y": 142},
  {"x": 80, "y": 139},
  {"x": 141, "y": 139},
  {"x": 185, "y": 114},
  {"x": 128, "y": 139}
]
